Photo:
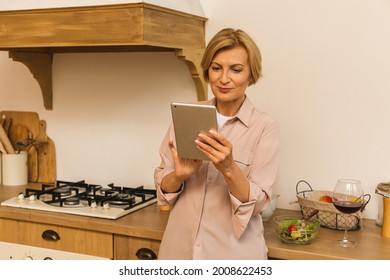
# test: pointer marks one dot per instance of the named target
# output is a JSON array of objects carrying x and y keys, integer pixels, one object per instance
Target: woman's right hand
[{"x": 184, "y": 168}]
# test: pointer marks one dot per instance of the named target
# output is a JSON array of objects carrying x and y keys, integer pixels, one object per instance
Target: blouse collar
[{"x": 245, "y": 111}]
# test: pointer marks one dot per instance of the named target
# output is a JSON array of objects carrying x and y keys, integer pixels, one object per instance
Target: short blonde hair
[{"x": 229, "y": 38}]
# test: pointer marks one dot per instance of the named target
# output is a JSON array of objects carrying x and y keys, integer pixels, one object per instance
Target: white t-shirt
[{"x": 221, "y": 119}]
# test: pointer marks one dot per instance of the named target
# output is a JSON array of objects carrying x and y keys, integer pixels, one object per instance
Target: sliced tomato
[{"x": 292, "y": 227}]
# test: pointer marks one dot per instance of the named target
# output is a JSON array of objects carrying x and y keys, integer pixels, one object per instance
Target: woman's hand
[
  {"x": 218, "y": 149},
  {"x": 184, "y": 168}
]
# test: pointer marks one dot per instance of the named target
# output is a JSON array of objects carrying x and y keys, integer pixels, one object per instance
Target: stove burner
[
  {"x": 123, "y": 196},
  {"x": 72, "y": 201},
  {"x": 63, "y": 191},
  {"x": 122, "y": 199},
  {"x": 95, "y": 189}
]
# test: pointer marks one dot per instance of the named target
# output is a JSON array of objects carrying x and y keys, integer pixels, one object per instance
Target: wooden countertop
[
  {"x": 371, "y": 245},
  {"x": 150, "y": 222}
]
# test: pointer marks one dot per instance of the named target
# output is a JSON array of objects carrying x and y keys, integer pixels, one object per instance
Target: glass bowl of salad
[{"x": 295, "y": 229}]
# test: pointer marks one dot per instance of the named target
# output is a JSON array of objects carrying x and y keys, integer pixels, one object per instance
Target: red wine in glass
[
  {"x": 347, "y": 207},
  {"x": 348, "y": 199}
]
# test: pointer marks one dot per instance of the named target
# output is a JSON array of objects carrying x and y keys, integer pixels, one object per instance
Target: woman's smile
[{"x": 224, "y": 90}]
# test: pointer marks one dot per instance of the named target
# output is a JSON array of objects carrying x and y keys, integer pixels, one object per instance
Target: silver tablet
[{"x": 189, "y": 120}]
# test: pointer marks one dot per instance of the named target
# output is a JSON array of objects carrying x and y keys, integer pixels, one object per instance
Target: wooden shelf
[{"x": 33, "y": 36}]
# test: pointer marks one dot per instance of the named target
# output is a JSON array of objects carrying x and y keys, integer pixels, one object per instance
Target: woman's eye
[
  {"x": 215, "y": 68},
  {"x": 237, "y": 70}
]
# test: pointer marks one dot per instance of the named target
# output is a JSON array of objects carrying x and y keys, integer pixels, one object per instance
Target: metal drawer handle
[
  {"x": 146, "y": 254},
  {"x": 50, "y": 235}
]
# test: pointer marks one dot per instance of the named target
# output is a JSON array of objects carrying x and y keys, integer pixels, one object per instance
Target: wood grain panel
[
  {"x": 126, "y": 247},
  {"x": 71, "y": 239},
  {"x": 167, "y": 29},
  {"x": 129, "y": 24},
  {"x": 71, "y": 27}
]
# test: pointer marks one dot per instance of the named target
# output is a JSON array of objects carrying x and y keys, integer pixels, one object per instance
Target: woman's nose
[{"x": 225, "y": 78}]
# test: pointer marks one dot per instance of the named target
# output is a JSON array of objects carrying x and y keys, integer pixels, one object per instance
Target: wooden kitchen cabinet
[
  {"x": 135, "y": 248},
  {"x": 67, "y": 239},
  {"x": 105, "y": 245}
]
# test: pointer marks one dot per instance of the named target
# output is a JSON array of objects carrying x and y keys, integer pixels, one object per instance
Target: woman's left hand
[
  {"x": 217, "y": 148},
  {"x": 220, "y": 151}
]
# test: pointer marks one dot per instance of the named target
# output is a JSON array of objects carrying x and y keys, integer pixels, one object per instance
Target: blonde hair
[{"x": 229, "y": 38}]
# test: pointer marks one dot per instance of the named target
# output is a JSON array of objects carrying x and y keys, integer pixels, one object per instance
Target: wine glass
[{"x": 348, "y": 199}]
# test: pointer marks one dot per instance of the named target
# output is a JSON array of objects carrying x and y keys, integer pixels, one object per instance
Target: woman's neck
[{"x": 230, "y": 108}]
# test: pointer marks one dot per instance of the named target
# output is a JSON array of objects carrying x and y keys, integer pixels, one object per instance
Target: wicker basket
[{"x": 327, "y": 214}]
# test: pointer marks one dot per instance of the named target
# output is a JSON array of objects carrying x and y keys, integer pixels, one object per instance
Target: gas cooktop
[{"x": 81, "y": 198}]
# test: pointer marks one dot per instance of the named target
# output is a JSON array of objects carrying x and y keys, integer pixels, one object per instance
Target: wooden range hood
[{"x": 33, "y": 36}]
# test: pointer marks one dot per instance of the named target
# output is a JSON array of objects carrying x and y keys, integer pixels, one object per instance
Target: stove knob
[
  {"x": 21, "y": 196},
  {"x": 28, "y": 258},
  {"x": 94, "y": 204},
  {"x": 106, "y": 206},
  {"x": 32, "y": 197}
]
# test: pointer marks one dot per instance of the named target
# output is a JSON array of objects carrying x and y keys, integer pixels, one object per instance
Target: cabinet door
[
  {"x": 57, "y": 238},
  {"x": 135, "y": 248}
]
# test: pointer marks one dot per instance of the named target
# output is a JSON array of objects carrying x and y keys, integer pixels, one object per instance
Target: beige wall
[
  {"x": 188, "y": 6},
  {"x": 325, "y": 81}
]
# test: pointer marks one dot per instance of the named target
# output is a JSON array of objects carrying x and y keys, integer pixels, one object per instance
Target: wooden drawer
[
  {"x": 58, "y": 238},
  {"x": 126, "y": 247}
]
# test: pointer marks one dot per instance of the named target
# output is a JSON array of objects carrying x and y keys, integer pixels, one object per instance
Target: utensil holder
[{"x": 14, "y": 169}]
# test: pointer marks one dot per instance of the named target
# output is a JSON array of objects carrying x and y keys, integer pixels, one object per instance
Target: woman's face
[{"x": 229, "y": 75}]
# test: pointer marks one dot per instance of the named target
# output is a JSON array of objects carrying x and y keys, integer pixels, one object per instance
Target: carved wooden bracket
[
  {"x": 40, "y": 65},
  {"x": 192, "y": 58}
]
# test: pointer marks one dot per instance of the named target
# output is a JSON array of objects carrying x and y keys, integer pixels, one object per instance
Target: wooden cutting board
[{"x": 41, "y": 157}]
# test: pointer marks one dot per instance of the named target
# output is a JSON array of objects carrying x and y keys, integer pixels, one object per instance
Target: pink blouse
[{"x": 206, "y": 221}]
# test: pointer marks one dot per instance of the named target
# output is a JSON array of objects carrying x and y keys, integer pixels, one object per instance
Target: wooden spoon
[
  {"x": 2, "y": 149},
  {"x": 6, "y": 142}
]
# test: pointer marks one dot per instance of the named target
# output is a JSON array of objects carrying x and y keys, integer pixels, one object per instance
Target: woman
[{"x": 216, "y": 204}]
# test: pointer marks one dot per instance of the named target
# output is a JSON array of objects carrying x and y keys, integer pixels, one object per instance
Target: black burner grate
[{"x": 80, "y": 193}]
